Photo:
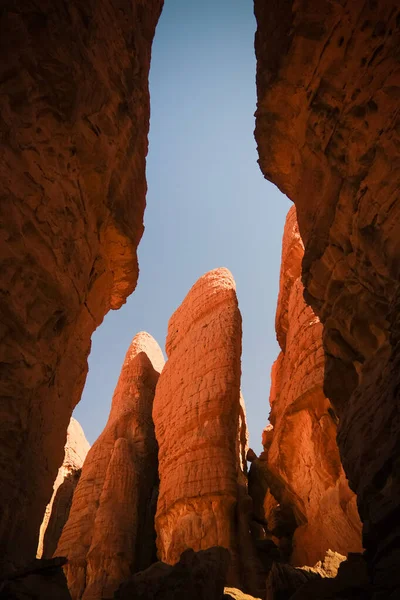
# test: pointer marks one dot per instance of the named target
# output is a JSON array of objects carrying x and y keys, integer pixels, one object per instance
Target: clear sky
[{"x": 208, "y": 204}]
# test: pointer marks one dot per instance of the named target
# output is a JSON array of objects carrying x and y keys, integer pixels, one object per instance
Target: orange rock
[
  {"x": 110, "y": 530},
  {"x": 57, "y": 510},
  {"x": 303, "y": 458},
  {"x": 200, "y": 425},
  {"x": 74, "y": 107},
  {"x": 327, "y": 128}
]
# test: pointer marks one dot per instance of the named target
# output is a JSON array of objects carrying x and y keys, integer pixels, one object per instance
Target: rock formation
[
  {"x": 57, "y": 511},
  {"x": 199, "y": 424},
  {"x": 74, "y": 111},
  {"x": 40, "y": 580},
  {"x": 334, "y": 578},
  {"x": 327, "y": 127},
  {"x": 306, "y": 476},
  {"x": 110, "y": 530},
  {"x": 197, "y": 576}
]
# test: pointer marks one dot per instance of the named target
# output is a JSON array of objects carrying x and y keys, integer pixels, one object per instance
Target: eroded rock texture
[
  {"x": 306, "y": 476},
  {"x": 57, "y": 511},
  {"x": 199, "y": 423},
  {"x": 74, "y": 113},
  {"x": 110, "y": 530},
  {"x": 328, "y": 134}
]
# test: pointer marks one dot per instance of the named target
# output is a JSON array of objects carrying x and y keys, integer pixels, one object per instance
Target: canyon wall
[
  {"x": 57, "y": 511},
  {"x": 110, "y": 530},
  {"x": 200, "y": 426},
  {"x": 74, "y": 108},
  {"x": 328, "y": 134},
  {"x": 306, "y": 475}
]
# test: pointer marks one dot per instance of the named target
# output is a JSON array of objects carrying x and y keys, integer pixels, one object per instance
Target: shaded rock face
[
  {"x": 327, "y": 127},
  {"x": 198, "y": 576},
  {"x": 40, "y": 580},
  {"x": 74, "y": 119},
  {"x": 200, "y": 425},
  {"x": 334, "y": 577},
  {"x": 57, "y": 510},
  {"x": 306, "y": 476},
  {"x": 110, "y": 530}
]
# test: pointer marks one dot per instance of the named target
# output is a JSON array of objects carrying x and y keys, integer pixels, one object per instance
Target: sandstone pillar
[
  {"x": 199, "y": 424},
  {"x": 110, "y": 530}
]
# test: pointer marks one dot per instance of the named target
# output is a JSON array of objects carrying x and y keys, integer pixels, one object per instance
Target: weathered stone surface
[
  {"x": 200, "y": 427},
  {"x": 74, "y": 118},
  {"x": 110, "y": 530},
  {"x": 351, "y": 582},
  {"x": 197, "y": 576},
  {"x": 303, "y": 460},
  {"x": 285, "y": 580},
  {"x": 328, "y": 135},
  {"x": 57, "y": 511}
]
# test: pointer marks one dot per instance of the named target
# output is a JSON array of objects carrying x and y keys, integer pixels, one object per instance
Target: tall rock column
[
  {"x": 57, "y": 511},
  {"x": 74, "y": 108},
  {"x": 328, "y": 134},
  {"x": 110, "y": 530},
  {"x": 199, "y": 422},
  {"x": 305, "y": 473}
]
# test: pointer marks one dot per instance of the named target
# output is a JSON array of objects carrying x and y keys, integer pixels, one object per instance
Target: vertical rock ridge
[
  {"x": 305, "y": 472},
  {"x": 327, "y": 129},
  {"x": 57, "y": 511},
  {"x": 199, "y": 422},
  {"x": 109, "y": 533}
]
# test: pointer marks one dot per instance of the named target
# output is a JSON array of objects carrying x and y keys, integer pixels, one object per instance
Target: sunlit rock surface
[
  {"x": 327, "y": 128},
  {"x": 57, "y": 511},
  {"x": 200, "y": 427},
  {"x": 74, "y": 108},
  {"x": 303, "y": 460},
  {"x": 110, "y": 530}
]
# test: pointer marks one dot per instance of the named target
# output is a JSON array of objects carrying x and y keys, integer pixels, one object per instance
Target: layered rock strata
[
  {"x": 110, "y": 530},
  {"x": 74, "y": 108},
  {"x": 199, "y": 424},
  {"x": 306, "y": 476},
  {"x": 57, "y": 511},
  {"x": 328, "y": 133}
]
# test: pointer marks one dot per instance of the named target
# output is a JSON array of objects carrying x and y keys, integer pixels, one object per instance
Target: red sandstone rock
[
  {"x": 57, "y": 510},
  {"x": 327, "y": 127},
  {"x": 110, "y": 530},
  {"x": 200, "y": 425},
  {"x": 74, "y": 110},
  {"x": 302, "y": 454}
]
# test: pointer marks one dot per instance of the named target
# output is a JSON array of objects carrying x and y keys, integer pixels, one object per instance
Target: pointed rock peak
[
  {"x": 209, "y": 291},
  {"x": 144, "y": 342},
  {"x": 220, "y": 277}
]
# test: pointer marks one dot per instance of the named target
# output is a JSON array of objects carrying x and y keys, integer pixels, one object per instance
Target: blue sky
[{"x": 208, "y": 204}]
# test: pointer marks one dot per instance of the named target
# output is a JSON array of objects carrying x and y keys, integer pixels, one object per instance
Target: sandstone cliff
[
  {"x": 303, "y": 460},
  {"x": 199, "y": 424},
  {"x": 74, "y": 111},
  {"x": 110, "y": 530},
  {"x": 57, "y": 511},
  {"x": 327, "y": 127}
]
